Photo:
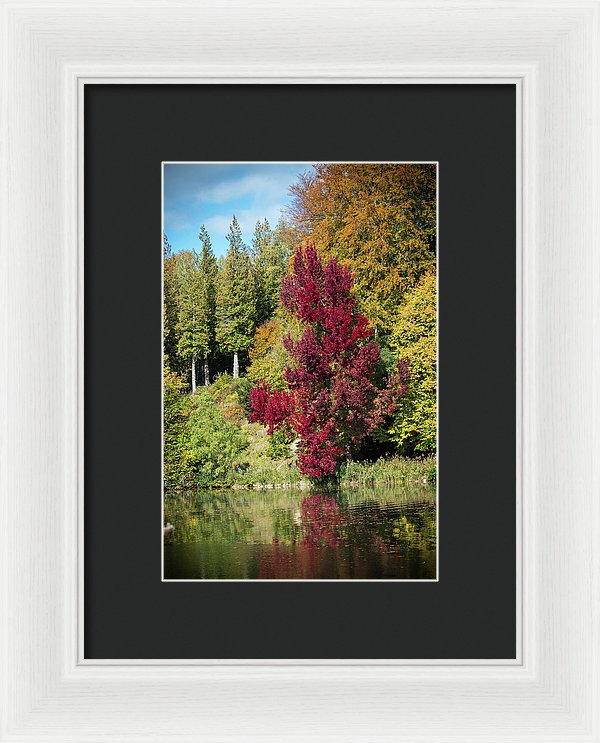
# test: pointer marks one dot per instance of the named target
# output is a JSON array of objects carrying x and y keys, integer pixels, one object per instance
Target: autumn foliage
[
  {"x": 379, "y": 220},
  {"x": 333, "y": 402},
  {"x": 271, "y": 407}
]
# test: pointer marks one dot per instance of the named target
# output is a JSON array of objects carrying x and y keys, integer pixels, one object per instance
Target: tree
[
  {"x": 259, "y": 252},
  {"x": 414, "y": 425},
  {"x": 170, "y": 292},
  {"x": 196, "y": 305},
  {"x": 236, "y": 298},
  {"x": 333, "y": 402},
  {"x": 191, "y": 342},
  {"x": 271, "y": 252},
  {"x": 207, "y": 299},
  {"x": 378, "y": 220}
]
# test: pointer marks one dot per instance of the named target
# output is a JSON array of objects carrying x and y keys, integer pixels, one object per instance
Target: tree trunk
[
  {"x": 236, "y": 365},
  {"x": 206, "y": 372},
  {"x": 193, "y": 374}
]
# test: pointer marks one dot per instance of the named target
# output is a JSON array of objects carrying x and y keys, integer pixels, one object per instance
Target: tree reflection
[
  {"x": 373, "y": 533},
  {"x": 321, "y": 518}
]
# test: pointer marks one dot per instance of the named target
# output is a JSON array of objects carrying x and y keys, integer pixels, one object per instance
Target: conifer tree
[
  {"x": 271, "y": 252},
  {"x": 189, "y": 345},
  {"x": 261, "y": 238},
  {"x": 236, "y": 298},
  {"x": 170, "y": 294},
  {"x": 260, "y": 242},
  {"x": 207, "y": 299}
]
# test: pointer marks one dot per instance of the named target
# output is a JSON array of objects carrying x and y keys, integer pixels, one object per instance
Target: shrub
[
  {"x": 215, "y": 442},
  {"x": 280, "y": 444},
  {"x": 179, "y": 469},
  {"x": 232, "y": 396}
]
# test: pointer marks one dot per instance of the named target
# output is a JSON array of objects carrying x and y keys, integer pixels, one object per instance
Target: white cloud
[
  {"x": 177, "y": 220},
  {"x": 267, "y": 185}
]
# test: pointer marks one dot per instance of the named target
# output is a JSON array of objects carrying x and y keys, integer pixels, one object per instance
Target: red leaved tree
[{"x": 333, "y": 402}]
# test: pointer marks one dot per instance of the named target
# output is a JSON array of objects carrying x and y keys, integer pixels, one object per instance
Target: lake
[{"x": 377, "y": 532}]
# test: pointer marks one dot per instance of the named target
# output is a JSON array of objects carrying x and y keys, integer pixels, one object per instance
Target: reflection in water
[
  {"x": 377, "y": 532},
  {"x": 320, "y": 521}
]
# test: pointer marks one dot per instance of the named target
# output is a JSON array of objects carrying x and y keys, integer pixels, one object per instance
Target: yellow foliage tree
[
  {"x": 414, "y": 427},
  {"x": 379, "y": 220}
]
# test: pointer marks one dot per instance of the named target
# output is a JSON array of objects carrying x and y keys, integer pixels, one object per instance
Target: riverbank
[{"x": 285, "y": 474}]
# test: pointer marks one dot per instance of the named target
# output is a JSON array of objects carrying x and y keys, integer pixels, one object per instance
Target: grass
[
  {"x": 394, "y": 470},
  {"x": 261, "y": 472},
  {"x": 268, "y": 472}
]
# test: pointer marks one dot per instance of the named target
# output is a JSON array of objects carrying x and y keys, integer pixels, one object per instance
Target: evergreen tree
[
  {"x": 260, "y": 242},
  {"x": 271, "y": 252},
  {"x": 236, "y": 298},
  {"x": 261, "y": 238},
  {"x": 170, "y": 293},
  {"x": 207, "y": 299},
  {"x": 189, "y": 345}
]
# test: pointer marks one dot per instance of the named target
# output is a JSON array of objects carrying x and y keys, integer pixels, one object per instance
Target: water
[{"x": 356, "y": 533}]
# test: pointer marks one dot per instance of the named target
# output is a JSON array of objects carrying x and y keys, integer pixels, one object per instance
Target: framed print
[{"x": 222, "y": 561}]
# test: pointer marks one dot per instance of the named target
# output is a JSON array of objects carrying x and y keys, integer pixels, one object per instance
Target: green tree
[
  {"x": 170, "y": 294},
  {"x": 414, "y": 424},
  {"x": 191, "y": 344},
  {"x": 236, "y": 298},
  {"x": 207, "y": 299},
  {"x": 271, "y": 253},
  {"x": 259, "y": 254}
]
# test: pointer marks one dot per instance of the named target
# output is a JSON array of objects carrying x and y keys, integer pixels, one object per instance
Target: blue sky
[{"x": 196, "y": 194}]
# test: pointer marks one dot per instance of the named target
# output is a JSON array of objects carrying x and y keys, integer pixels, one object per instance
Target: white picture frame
[{"x": 549, "y": 51}]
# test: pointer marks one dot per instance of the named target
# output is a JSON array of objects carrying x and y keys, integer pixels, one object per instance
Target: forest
[{"x": 309, "y": 355}]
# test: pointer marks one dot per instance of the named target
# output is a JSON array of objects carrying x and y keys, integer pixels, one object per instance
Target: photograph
[{"x": 299, "y": 367}]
